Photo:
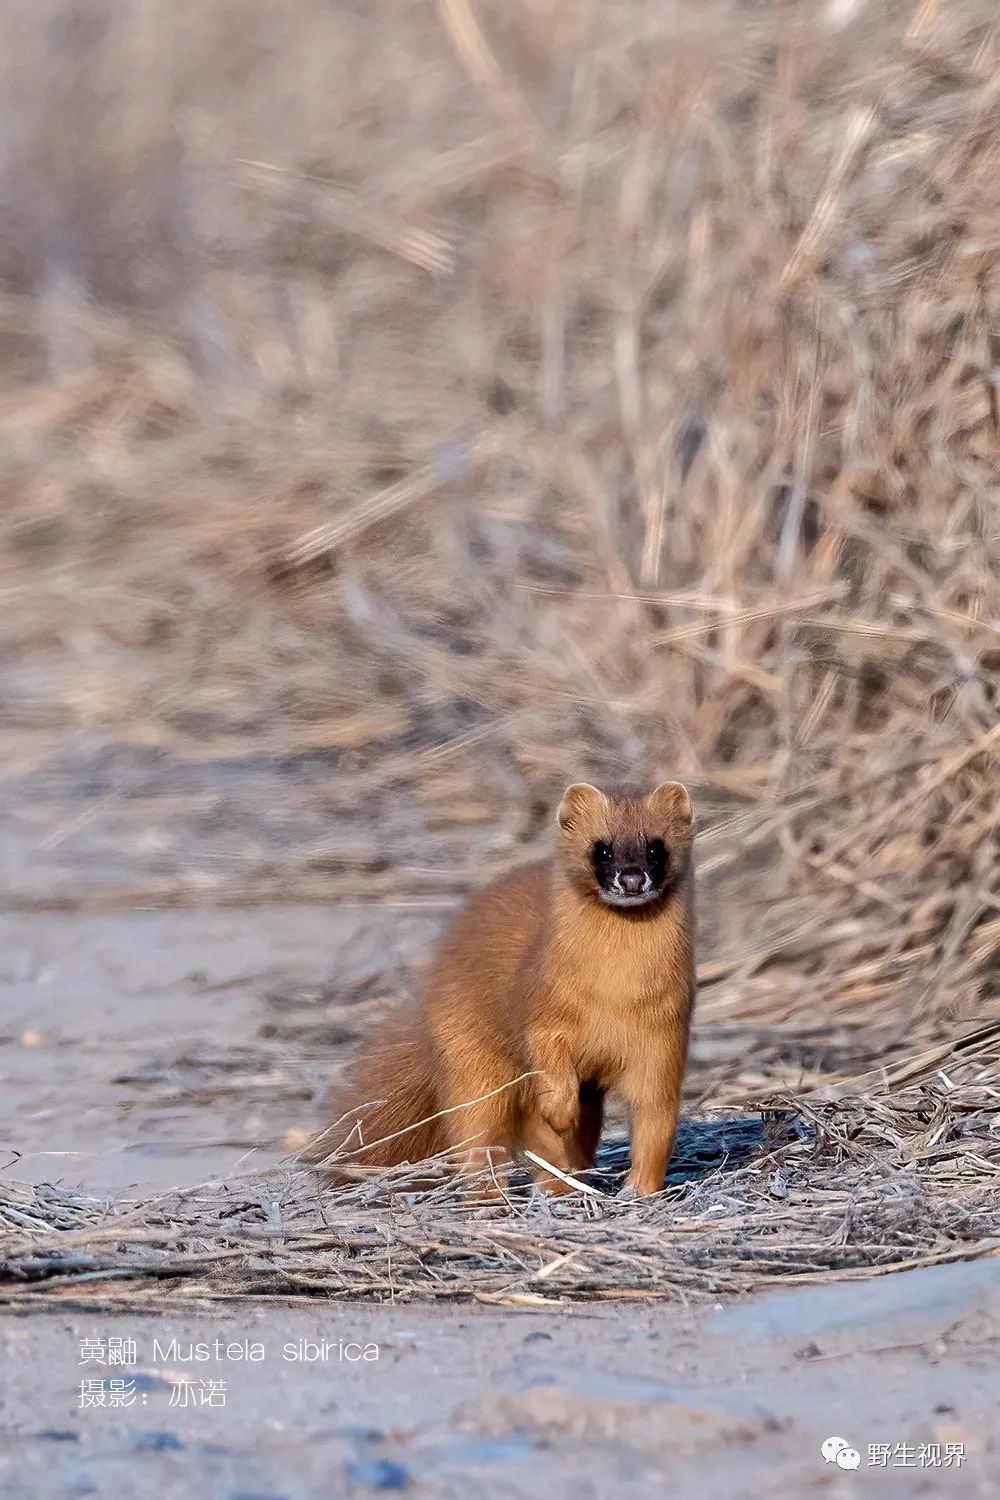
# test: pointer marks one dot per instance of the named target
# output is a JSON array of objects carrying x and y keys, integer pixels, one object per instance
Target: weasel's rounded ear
[
  {"x": 575, "y": 803},
  {"x": 671, "y": 799}
]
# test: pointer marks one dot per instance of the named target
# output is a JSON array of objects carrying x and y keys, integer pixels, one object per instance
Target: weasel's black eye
[
  {"x": 656, "y": 860},
  {"x": 603, "y": 853}
]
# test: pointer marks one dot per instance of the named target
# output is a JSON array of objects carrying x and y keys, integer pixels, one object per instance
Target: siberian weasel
[{"x": 559, "y": 983}]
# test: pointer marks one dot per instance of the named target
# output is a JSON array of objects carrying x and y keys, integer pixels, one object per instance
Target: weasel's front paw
[{"x": 639, "y": 1186}]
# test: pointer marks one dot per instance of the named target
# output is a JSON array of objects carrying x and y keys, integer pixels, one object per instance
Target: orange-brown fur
[{"x": 540, "y": 1000}]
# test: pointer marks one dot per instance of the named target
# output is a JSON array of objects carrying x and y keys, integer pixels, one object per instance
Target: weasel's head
[{"x": 625, "y": 851}]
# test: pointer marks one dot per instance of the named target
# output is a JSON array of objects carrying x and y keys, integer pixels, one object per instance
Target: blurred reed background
[{"x": 410, "y": 407}]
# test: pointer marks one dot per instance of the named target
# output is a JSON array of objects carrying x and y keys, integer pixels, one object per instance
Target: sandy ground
[
  {"x": 151, "y": 1049},
  {"x": 147, "y": 1049},
  {"x": 733, "y": 1402}
]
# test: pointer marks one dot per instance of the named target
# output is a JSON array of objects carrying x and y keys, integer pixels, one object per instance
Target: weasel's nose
[{"x": 632, "y": 882}]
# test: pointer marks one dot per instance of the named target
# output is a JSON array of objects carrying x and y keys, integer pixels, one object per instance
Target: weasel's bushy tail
[{"x": 384, "y": 1113}]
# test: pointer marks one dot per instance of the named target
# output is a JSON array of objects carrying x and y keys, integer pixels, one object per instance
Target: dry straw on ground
[
  {"x": 875, "y": 1184},
  {"x": 436, "y": 402}
]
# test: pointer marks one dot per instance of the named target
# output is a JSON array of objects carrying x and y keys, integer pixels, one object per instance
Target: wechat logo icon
[{"x": 837, "y": 1450}]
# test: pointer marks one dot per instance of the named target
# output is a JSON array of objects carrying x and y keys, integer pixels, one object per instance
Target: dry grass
[
  {"x": 437, "y": 402},
  {"x": 859, "y": 1189}
]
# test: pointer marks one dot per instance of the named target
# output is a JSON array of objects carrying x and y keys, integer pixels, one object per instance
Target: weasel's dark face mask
[
  {"x": 630, "y": 871},
  {"x": 625, "y": 851}
]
